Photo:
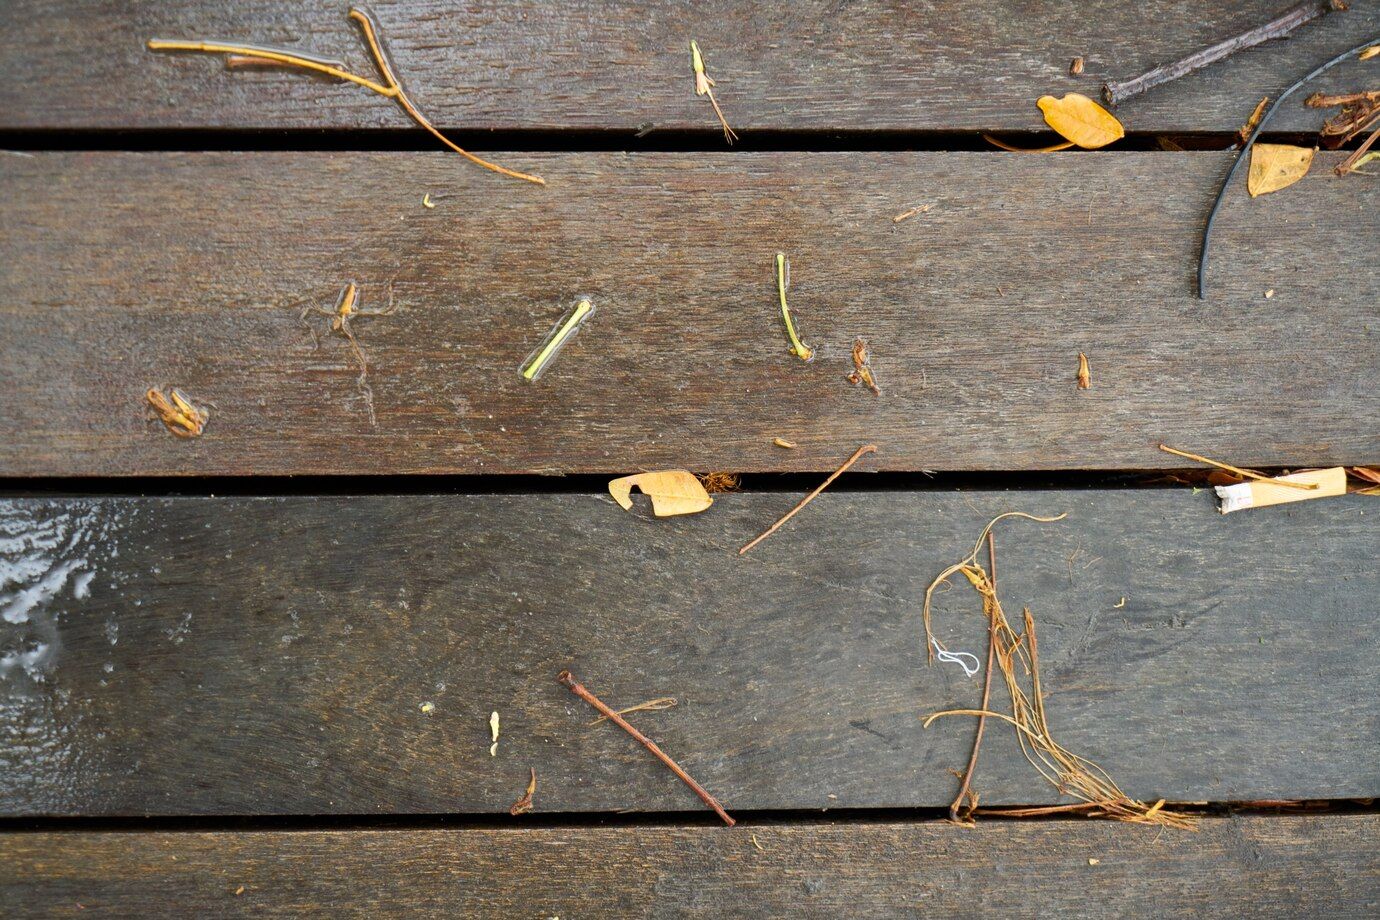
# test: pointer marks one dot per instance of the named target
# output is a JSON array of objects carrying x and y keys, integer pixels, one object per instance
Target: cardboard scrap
[{"x": 1243, "y": 495}]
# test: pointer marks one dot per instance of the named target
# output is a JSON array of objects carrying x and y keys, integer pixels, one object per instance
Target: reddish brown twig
[
  {"x": 963, "y": 792},
  {"x": 1350, "y": 162},
  {"x": 524, "y": 804},
  {"x": 1280, "y": 27},
  {"x": 579, "y": 690},
  {"x": 865, "y": 449}
]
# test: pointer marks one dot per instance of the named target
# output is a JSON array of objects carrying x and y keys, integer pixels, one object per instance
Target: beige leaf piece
[
  {"x": 672, "y": 492},
  {"x": 1080, "y": 120},
  {"x": 1277, "y": 166}
]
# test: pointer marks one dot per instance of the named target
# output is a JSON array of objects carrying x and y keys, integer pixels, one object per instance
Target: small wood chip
[
  {"x": 1084, "y": 372},
  {"x": 1075, "y": 66},
  {"x": 782, "y": 442}
]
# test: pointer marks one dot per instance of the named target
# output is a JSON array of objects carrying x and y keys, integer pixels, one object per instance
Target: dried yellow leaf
[
  {"x": 672, "y": 492},
  {"x": 1369, "y": 53},
  {"x": 1277, "y": 166},
  {"x": 1080, "y": 120}
]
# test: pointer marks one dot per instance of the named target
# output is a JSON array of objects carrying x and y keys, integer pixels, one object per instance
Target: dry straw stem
[
  {"x": 656, "y": 705},
  {"x": 579, "y": 690},
  {"x": 704, "y": 86},
  {"x": 783, "y": 281},
  {"x": 1244, "y": 474},
  {"x": 1005, "y": 146},
  {"x": 1069, "y": 773},
  {"x": 261, "y": 55},
  {"x": 965, "y": 793},
  {"x": 865, "y": 449}
]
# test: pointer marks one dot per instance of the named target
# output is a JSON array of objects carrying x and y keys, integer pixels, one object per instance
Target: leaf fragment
[
  {"x": 493, "y": 729},
  {"x": 672, "y": 492},
  {"x": 1277, "y": 166},
  {"x": 1081, "y": 120},
  {"x": 1243, "y": 134}
]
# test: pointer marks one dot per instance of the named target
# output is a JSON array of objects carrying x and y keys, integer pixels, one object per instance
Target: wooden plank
[
  {"x": 812, "y": 65},
  {"x": 266, "y": 656},
  {"x": 1244, "y": 866},
  {"x": 125, "y": 271}
]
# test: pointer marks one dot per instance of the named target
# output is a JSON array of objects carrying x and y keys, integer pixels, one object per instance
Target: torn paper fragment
[{"x": 1245, "y": 495}]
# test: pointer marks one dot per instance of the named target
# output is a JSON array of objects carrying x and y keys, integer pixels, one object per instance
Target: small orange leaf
[
  {"x": 672, "y": 492},
  {"x": 1079, "y": 119},
  {"x": 1277, "y": 166}
]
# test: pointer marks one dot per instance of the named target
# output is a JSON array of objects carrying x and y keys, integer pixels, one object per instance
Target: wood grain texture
[
  {"x": 1281, "y": 867},
  {"x": 520, "y": 64},
  {"x": 125, "y": 271},
  {"x": 265, "y": 656}
]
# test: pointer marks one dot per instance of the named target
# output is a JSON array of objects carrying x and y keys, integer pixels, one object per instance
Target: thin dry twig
[
  {"x": 242, "y": 54},
  {"x": 857, "y": 454},
  {"x": 579, "y": 690},
  {"x": 1244, "y": 474},
  {"x": 907, "y": 215},
  {"x": 1280, "y": 27}
]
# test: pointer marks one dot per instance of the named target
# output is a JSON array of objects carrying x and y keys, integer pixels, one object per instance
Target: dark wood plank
[
  {"x": 227, "y": 656},
  {"x": 125, "y": 271},
  {"x": 809, "y": 65},
  {"x": 1246, "y": 866}
]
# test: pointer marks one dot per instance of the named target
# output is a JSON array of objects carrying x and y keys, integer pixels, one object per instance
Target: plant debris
[
  {"x": 1359, "y": 157},
  {"x": 1075, "y": 67},
  {"x": 1052, "y": 148},
  {"x": 1084, "y": 372},
  {"x": 907, "y": 215},
  {"x": 717, "y": 482},
  {"x": 783, "y": 281},
  {"x": 857, "y": 454},
  {"x": 1277, "y": 166},
  {"x": 1081, "y": 120},
  {"x": 1275, "y": 491},
  {"x": 862, "y": 368},
  {"x": 1359, "y": 113},
  {"x": 1244, "y": 474},
  {"x": 556, "y": 339},
  {"x": 1243, "y": 133},
  {"x": 1280, "y": 27},
  {"x": 704, "y": 86},
  {"x": 782, "y": 442},
  {"x": 1069, "y": 773},
  {"x": 966, "y": 800},
  {"x": 178, "y": 413},
  {"x": 493, "y": 730},
  {"x": 1367, "y": 475},
  {"x": 579, "y": 690},
  {"x": 1260, "y": 126},
  {"x": 347, "y": 307},
  {"x": 524, "y": 804},
  {"x": 427, "y": 202},
  {"x": 673, "y": 492},
  {"x": 264, "y": 55},
  {"x": 656, "y": 705}
]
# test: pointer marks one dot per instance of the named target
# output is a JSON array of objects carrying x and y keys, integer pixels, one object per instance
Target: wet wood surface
[
  {"x": 128, "y": 271},
  {"x": 307, "y": 656},
  {"x": 1281, "y": 867},
  {"x": 814, "y": 65}
]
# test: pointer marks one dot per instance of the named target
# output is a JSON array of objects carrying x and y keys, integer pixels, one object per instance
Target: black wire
[{"x": 1245, "y": 152}]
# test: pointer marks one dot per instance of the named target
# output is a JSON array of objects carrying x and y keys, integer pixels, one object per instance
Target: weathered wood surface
[
  {"x": 816, "y": 65},
  {"x": 125, "y": 271},
  {"x": 1282, "y": 867},
  {"x": 256, "y": 656}
]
